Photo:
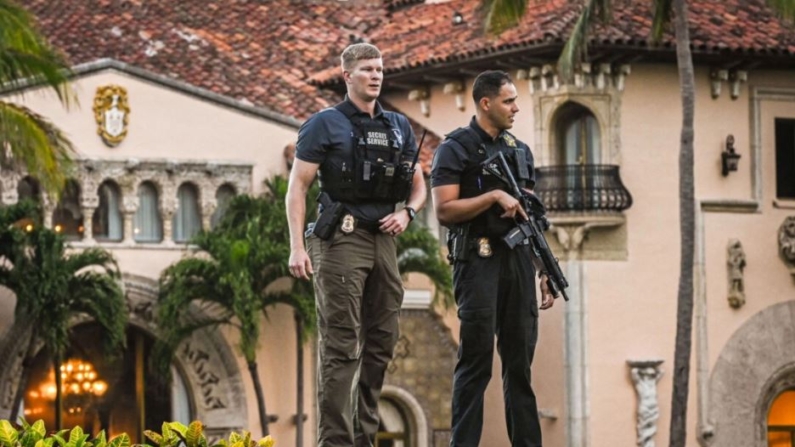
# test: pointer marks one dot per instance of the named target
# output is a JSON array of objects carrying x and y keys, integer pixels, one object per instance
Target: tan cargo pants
[{"x": 358, "y": 294}]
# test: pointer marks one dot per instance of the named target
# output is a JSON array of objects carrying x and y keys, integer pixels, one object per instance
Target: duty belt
[{"x": 350, "y": 223}]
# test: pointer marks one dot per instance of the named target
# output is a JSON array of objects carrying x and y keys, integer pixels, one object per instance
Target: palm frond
[
  {"x": 503, "y": 14},
  {"x": 662, "y": 18},
  {"x": 785, "y": 8},
  {"x": 95, "y": 258},
  {"x": 418, "y": 251},
  {"x": 27, "y": 56},
  {"x": 35, "y": 143},
  {"x": 577, "y": 45},
  {"x": 100, "y": 296}
]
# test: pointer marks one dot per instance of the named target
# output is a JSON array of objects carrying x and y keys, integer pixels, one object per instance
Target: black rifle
[{"x": 532, "y": 229}]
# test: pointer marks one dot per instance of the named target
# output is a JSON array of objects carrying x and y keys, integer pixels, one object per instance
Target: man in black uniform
[
  {"x": 494, "y": 285},
  {"x": 364, "y": 158}
]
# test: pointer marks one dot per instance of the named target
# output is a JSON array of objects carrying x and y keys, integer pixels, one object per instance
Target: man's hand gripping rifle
[{"x": 532, "y": 229}]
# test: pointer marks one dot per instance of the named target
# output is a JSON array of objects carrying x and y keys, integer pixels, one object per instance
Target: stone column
[
  {"x": 645, "y": 375},
  {"x": 129, "y": 207},
  {"x": 88, "y": 221}
]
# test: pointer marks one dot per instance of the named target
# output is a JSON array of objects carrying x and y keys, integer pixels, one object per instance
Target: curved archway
[
  {"x": 417, "y": 423},
  {"x": 755, "y": 366},
  {"x": 205, "y": 362}
]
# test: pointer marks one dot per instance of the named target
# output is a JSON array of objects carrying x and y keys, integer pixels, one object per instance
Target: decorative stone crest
[
  {"x": 735, "y": 263},
  {"x": 111, "y": 110},
  {"x": 645, "y": 375},
  {"x": 786, "y": 242}
]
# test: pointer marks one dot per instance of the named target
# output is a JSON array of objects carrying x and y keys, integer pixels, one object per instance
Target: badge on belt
[
  {"x": 484, "y": 248},
  {"x": 347, "y": 224}
]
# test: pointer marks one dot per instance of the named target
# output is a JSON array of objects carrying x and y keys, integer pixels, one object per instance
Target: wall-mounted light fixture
[{"x": 729, "y": 158}]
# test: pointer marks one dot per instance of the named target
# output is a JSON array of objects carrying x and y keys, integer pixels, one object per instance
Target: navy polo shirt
[{"x": 327, "y": 139}]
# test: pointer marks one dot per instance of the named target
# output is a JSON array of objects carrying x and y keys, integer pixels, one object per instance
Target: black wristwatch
[{"x": 412, "y": 213}]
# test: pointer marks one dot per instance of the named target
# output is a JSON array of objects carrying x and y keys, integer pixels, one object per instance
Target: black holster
[
  {"x": 458, "y": 243},
  {"x": 329, "y": 217}
]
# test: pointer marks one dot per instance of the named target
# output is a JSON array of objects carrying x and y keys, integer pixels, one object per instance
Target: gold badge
[
  {"x": 111, "y": 111},
  {"x": 347, "y": 224},
  {"x": 484, "y": 248},
  {"x": 509, "y": 140}
]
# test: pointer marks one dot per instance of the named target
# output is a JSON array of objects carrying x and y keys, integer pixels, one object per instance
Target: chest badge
[
  {"x": 484, "y": 248},
  {"x": 347, "y": 224},
  {"x": 509, "y": 140}
]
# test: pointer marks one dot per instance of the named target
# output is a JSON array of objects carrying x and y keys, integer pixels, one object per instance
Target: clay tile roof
[
  {"x": 424, "y": 35},
  {"x": 259, "y": 52}
]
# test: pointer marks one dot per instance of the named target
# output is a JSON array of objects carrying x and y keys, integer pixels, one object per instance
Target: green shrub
[{"x": 173, "y": 434}]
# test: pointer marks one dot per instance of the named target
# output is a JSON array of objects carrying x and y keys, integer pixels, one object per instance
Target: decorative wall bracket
[
  {"x": 423, "y": 96},
  {"x": 456, "y": 88},
  {"x": 587, "y": 76},
  {"x": 733, "y": 77}
]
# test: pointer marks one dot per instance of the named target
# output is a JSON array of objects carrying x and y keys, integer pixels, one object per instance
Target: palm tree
[
  {"x": 27, "y": 139},
  {"x": 228, "y": 280},
  {"x": 53, "y": 287},
  {"x": 506, "y": 13}
]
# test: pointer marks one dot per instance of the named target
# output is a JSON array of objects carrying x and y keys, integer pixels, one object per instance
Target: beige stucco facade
[
  {"x": 623, "y": 269},
  {"x": 628, "y": 288}
]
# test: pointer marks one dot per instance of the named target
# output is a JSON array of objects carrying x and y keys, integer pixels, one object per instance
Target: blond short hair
[{"x": 357, "y": 52}]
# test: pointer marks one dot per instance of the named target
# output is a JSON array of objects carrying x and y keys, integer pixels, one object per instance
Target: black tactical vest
[
  {"x": 475, "y": 180},
  {"x": 374, "y": 171}
]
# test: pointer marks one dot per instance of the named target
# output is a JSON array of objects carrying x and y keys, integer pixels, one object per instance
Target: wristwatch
[{"x": 412, "y": 213}]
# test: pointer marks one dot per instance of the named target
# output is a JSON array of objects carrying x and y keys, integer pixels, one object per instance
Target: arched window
[
  {"x": 187, "y": 218},
  {"x": 107, "y": 394},
  {"x": 108, "y": 224},
  {"x": 28, "y": 189},
  {"x": 578, "y": 136},
  {"x": 781, "y": 421},
  {"x": 223, "y": 197},
  {"x": 393, "y": 429},
  {"x": 67, "y": 218},
  {"x": 147, "y": 224}
]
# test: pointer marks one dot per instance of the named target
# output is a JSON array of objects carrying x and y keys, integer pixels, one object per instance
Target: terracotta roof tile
[{"x": 424, "y": 35}]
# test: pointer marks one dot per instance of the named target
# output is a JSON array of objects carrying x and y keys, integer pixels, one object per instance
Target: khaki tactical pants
[{"x": 358, "y": 294}]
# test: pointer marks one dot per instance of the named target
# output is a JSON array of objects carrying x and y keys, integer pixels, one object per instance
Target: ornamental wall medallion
[
  {"x": 111, "y": 111},
  {"x": 786, "y": 242}
]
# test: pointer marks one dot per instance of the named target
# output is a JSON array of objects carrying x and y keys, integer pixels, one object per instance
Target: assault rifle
[{"x": 531, "y": 230}]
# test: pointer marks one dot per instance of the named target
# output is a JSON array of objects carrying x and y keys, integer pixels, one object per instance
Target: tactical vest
[
  {"x": 475, "y": 180},
  {"x": 374, "y": 170}
]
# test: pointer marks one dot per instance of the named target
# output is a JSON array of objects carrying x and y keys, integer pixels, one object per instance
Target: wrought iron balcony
[{"x": 582, "y": 188}]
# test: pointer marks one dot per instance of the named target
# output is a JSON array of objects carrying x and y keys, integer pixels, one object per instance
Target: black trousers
[{"x": 496, "y": 296}]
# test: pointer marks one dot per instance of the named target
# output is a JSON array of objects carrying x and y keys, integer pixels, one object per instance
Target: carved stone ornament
[
  {"x": 112, "y": 111},
  {"x": 735, "y": 264},
  {"x": 786, "y": 243},
  {"x": 645, "y": 375}
]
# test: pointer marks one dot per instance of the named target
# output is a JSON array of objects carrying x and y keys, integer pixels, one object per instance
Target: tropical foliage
[
  {"x": 173, "y": 434},
  {"x": 27, "y": 139},
  {"x": 53, "y": 286},
  {"x": 506, "y": 13}
]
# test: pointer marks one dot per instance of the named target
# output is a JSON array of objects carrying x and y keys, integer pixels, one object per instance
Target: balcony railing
[{"x": 582, "y": 188}]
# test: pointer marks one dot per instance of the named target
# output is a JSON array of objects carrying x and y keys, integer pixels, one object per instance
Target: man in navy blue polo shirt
[{"x": 363, "y": 157}]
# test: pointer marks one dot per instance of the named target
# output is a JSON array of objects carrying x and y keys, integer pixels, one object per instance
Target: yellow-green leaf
[
  {"x": 267, "y": 441},
  {"x": 100, "y": 440},
  {"x": 123, "y": 440},
  {"x": 178, "y": 427},
  {"x": 39, "y": 427},
  {"x": 154, "y": 437},
  {"x": 194, "y": 434},
  {"x": 8, "y": 434}
]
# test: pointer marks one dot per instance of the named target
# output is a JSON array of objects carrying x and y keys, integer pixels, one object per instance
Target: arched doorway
[
  {"x": 117, "y": 394},
  {"x": 755, "y": 368}
]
